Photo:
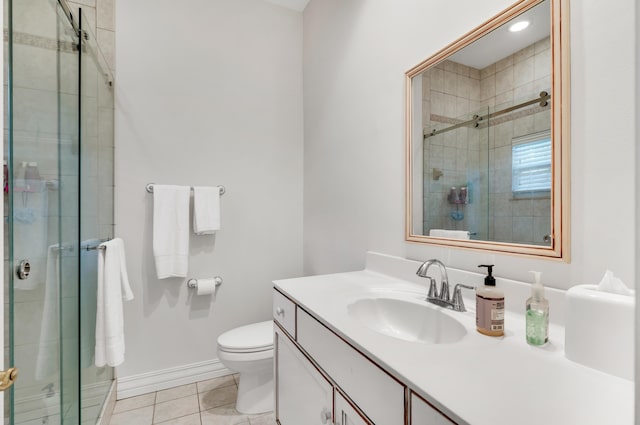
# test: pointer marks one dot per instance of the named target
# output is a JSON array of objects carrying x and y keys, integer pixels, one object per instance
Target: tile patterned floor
[{"x": 209, "y": 402}]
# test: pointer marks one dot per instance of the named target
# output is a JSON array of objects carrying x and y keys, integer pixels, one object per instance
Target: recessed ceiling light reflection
[{"x": 519, "y": 26}]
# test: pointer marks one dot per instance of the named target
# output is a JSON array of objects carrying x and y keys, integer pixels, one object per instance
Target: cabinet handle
[
  {"x": 325, "y": 415},
  {"x": 280, "y": 311}
]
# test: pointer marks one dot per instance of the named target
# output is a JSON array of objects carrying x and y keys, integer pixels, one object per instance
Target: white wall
[
  {"x": 208, "y": 92},
  {"x": 354, "y": 134}
]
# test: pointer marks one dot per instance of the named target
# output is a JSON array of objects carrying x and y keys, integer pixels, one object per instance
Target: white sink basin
[{"x": 408, "y": 321}]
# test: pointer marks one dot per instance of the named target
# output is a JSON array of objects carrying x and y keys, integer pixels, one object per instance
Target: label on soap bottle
[{"x": 490, "y": 314}]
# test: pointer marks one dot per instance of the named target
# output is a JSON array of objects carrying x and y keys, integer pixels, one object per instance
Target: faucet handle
[
  {"x": 457, "y": 300},
  {"x": 433, "y": 289}
]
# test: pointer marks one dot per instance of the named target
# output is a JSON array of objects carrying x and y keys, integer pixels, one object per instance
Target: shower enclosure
[{"x": 58, "y": 193}]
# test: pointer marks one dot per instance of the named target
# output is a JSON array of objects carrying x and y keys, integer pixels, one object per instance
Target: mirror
[{"x": 487, "y": 136}]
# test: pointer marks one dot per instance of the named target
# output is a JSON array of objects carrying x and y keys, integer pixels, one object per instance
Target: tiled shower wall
[
  {"x": 101, "y": 16},
  {"x": 452, "y": 91},
  {"x": 481, "y": 157}
]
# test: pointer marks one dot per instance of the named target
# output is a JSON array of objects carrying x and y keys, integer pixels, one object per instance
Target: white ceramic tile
[
  {"x": 504, "y": 80},
  {"x": 542, "y": 64},
  {"x": 523, "y": 54},
  {"x": 185, "y": 420},
  {"x": 450, "y": 82},
  {"x": 504, "y": 63},
  {"x": 135, "y": 402},
  {"x": 142, "y": 416},
  {"x": 106, "y": 14},
  {"x": 523, "y": 72},
  {"x": 264, "y": 419},
  {"x": 176, "y": 408},
  {"x": 212, "y": 384},
  {"x": 107, "y": 43},
  {"x": 176, "y": 392},
  {"x": 91, "y": 3},
  {"x": 218, "y": 397},
  {"x": 437, "y": 80},
  {"x": 223, "y": 415},
  {"x": 522, "y": 229}
]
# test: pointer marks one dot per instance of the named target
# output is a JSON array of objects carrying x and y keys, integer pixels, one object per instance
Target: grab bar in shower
[{"x": 149, "y": 188}]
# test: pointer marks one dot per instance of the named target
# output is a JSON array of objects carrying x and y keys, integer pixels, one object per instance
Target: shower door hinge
[{"x": 8, "y": 378}]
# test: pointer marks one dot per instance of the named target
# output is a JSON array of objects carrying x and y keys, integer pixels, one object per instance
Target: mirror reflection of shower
[{"x": 487, "y": 147}]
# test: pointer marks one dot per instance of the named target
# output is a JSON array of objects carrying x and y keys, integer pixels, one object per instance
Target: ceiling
[
  {"x": 297, "y": 5},
  {"x": 501, "y": 43}
]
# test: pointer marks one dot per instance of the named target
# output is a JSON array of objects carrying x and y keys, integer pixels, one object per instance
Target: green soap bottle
[{"x": 537, "y": 315}]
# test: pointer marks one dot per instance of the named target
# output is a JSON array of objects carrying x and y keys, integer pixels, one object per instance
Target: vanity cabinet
[
  {"x": 304, "y": 396},
  {"x": 423, "y": 414},
  {"x": 346, "y": 413},
  {"x": 322, "y": 379}
]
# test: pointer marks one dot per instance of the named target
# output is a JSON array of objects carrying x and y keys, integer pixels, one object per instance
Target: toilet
[{"x": 248, "y": 350}]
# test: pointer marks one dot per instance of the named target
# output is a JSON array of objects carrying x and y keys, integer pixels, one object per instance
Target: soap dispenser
[
  {"x": 489, "y": 306},
  {"x": 537, "y": 314}
]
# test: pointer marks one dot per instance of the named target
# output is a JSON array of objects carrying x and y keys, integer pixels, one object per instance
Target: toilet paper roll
[{"x": 206, "y": 286}]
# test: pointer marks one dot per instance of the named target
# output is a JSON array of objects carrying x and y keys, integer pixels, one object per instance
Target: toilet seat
[{"x": 256, "y": 337}]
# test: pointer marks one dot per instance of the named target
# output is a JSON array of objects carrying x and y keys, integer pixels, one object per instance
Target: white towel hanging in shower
[{"x": 113, "y": 287}]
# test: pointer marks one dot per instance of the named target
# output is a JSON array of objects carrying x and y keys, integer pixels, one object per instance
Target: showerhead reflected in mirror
[{"x": 485, "y": 143}]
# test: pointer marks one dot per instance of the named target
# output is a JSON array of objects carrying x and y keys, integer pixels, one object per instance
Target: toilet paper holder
[{"x": 193, "y": 283}]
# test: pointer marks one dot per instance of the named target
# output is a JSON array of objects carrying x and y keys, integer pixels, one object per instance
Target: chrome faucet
[
  {"x": 443, "y": 294},
  {"x": 442, "y": 297}
]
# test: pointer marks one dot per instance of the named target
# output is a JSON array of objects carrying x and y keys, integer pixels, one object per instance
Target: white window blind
[{"x": 531, "y": 163}]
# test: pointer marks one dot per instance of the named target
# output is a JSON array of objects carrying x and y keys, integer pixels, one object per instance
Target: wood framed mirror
[{"x": 487, "y": 136}]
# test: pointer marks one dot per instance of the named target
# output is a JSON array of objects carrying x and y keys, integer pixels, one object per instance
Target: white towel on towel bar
[
  {"x": 451, "y": 234},
  {"x": 48, "y": 361},
  {"x": 206, "y": 210},
  {"x": 171, "y": 230},
  {"x": 113, "y": 287}
]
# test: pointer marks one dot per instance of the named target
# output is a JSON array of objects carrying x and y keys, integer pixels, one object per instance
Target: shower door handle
[{"x": 8, "y": 378}]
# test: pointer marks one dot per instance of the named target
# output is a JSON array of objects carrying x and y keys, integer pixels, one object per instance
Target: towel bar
[
  {"x": 98, "y": 246},
  {"x": 83, "y": 247},
  {"x": 193, "y": 283},
  {"x": 149, "y": 188}
]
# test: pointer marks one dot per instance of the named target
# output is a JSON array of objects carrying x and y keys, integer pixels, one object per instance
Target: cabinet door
[
  {"x": 346, "y": 414},
  {"x": 423, "y": 413},
  {"x": 303, "y": 395}
]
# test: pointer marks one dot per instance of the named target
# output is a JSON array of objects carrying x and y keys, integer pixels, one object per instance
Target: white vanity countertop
[{"x": 479, "y": 380}]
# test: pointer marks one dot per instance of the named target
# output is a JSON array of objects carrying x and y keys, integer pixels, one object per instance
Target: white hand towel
[
  {"x": 113, "y": 287},
  {"x": 451, "y": 234},
  {"x": 48, "y": 362},
  {"x": 171, "y": 230},
  {"x": 206, "y": 210}
]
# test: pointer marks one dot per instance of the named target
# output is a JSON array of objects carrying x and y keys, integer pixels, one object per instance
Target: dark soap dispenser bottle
[{"x": 489, "y": 306}]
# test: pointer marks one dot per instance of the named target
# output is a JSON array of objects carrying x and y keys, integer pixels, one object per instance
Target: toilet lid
[{"x": 253, "y": 337}]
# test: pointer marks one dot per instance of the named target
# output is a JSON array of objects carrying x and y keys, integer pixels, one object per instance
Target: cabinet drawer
[
  {"x": 378, "y": 395},
  {"x": 423, "y": 413},
  {"x": 284, "y": 312}
]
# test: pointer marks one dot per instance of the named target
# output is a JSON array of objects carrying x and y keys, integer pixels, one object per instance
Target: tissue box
[{"x": 599, "y": 330}]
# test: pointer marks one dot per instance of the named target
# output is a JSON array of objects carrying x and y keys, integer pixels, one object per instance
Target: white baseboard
[{"x": 130, "y": 386}]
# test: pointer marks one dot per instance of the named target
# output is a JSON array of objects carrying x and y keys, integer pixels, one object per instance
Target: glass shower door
[
  {"x": 96, "y": 212},
  {"x": 42, "y": 222}
]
